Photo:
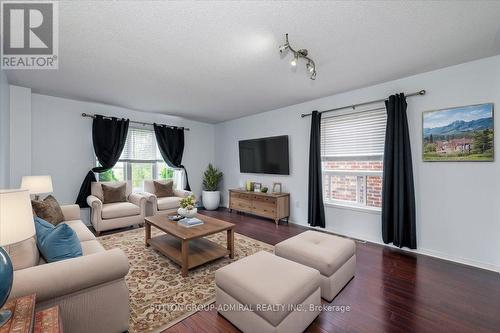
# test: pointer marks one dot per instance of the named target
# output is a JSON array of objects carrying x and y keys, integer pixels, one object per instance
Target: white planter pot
[
  {"x": 210, "y": 199},
  {"x": 187, "y": 213}
]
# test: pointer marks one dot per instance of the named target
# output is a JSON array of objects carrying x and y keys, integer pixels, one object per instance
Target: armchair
[
  {"x": 165, "y": 205},
  {"x": 106, "y": 216}
]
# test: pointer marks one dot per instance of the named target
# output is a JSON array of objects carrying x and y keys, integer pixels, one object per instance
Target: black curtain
[
  {"x": 398, "y": 192},
  {"x": 171, "y": 144},
  {"x": 108, "y": 136},
  {"x": 315, "y": 209}
]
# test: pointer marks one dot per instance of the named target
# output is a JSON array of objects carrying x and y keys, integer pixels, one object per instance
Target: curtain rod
[
  {"x": 354, "y": 106},
  {"x": 134, "y": 122}
]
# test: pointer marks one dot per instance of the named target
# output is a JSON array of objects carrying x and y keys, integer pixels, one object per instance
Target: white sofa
[
  {"x": 163, "y": 205},
  {"x": 90, "y": 290},
  {"x": 107, "y": 216}
]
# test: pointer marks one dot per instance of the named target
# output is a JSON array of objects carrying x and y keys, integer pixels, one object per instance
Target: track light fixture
[{"x": 301, "y": 53}]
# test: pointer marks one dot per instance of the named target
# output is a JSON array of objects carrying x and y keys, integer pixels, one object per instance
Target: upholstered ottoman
[
  {"x": 333, "y": 256},
  {"x": 265, "y": 293}
]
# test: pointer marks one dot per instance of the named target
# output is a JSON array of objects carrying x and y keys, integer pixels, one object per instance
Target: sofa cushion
[
  {"x": 264, "y": 278},
  {"x": 82, "y": 232},
  {"x": 113, "y": 194},
  {"x": 96, "y": 188},
  {"x": 325, "y": 252},
  {"x": 169, "y": 203},
  {"x": 149, "y": 185},
  {"x": 91, "y": 247},
  {"x": 48, "y": 209},
  {"x": 24, "y": 254},
  {"x": 119, "y": 209},
  {"x": 56, "y": 243},
  {"x": 164, "y": 189}
]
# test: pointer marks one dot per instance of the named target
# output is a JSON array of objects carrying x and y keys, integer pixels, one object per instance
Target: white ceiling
[{"x": 214, "y": 61}]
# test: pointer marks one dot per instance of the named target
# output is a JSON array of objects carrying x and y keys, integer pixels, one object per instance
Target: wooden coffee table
[{"x": 186, "y": 246}]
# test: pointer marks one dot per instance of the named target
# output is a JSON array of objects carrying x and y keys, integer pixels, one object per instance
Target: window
[
  {"x": 140, "y": 160},
  {"x": 352, "y": 150}
]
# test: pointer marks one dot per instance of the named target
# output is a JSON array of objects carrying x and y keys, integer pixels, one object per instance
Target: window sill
[{"x": 370, "y": 210}]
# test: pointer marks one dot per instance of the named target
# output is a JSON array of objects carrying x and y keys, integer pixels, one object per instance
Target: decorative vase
[
  {"x": 249, "y": 185},
  {"x": 211, "y": 199},
  {"x": 6, "y": 276},
  {"x": 187, "y": 212}
]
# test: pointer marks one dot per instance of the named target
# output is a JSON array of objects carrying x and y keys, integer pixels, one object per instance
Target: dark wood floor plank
[{"x": 393, "y": 290}]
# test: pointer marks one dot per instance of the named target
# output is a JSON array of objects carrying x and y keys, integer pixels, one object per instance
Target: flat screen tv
[{"x": 265, "y": 155}]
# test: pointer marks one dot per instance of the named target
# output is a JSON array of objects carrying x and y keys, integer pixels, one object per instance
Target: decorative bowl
[{"x": 187, "y": 212}]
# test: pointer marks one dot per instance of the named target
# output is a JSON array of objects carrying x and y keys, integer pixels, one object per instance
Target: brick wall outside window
[
  {"x": 343, "y": 187},
  {"x": 360, "y": 189},
  {"x": 374, "y": 191}
]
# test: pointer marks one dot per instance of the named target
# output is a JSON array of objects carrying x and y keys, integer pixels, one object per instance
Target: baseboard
[
  {"x": 458, "y": 260},
  {"x": 421, "y": 251}
]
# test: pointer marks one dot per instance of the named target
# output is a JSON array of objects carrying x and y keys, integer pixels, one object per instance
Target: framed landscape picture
[{"x": 463, "y": 133}]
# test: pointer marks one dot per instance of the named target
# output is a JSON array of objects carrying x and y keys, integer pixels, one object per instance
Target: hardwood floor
[{"x": 393, "y": 291}]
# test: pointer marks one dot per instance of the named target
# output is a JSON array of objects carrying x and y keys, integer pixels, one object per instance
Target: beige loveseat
[
  {"x": 163, "y": 205},
  {"x": 107, "y": 216},
  {"x": 90, "y": 290}
]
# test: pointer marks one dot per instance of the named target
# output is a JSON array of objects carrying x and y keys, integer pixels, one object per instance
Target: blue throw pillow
[
  {"x": 43, "y": 228},
  {"x": 56, "y": 243}
]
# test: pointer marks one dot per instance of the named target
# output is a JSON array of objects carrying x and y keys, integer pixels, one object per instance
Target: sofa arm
[
  {"x": 68, "y": 276},
  {"x": 182, "y": 193},
  {"x": 149, "y": 196},
  {"x": 71, "y": 212},
  {"x": 137, "y": 199},
  {"x": 94, "y": 202},
  {"x": 151, "y": 204}
]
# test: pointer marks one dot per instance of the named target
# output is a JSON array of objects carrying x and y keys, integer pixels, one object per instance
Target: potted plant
[
  {"x": 188, "y": 208},
  {"x": 211, "y": 180}
]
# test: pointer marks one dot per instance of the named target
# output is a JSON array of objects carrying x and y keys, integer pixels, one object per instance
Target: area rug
[{"x": 159, "y": 295}]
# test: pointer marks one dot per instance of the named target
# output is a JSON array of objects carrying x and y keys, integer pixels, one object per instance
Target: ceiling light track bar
[
  {"x": 354, "y": 106},
  {"x": 87, "y": 115},
  {"x": 301, "y": 53}
]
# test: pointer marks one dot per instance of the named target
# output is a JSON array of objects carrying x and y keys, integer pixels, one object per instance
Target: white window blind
[
  {"x": 353, "y": 135},
  {"x": 140, "y": 146}
]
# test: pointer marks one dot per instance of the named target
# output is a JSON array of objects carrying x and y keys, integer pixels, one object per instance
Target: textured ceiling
[{"x": 215, "y": 61}]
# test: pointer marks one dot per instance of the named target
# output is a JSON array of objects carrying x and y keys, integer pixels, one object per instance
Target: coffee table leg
[
  {"x": 185, "y": 257},
  {"x": 147, "y": 232},
  {"x": 230, "y": 243}
]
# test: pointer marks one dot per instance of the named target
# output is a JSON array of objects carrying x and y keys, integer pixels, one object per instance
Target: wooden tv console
[{"x": 274, "y": 206}]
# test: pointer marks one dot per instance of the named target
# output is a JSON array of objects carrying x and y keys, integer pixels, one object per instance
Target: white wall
[
  {"x": 61, "y": 142},
  {"x": 4, "y": 131},
  {"x": 458, "y": 204},
  {"x": 20, "y": 134}
]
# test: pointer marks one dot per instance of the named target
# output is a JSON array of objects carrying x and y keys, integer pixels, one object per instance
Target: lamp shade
[
  {"x": 37, "y": 184},
  {"x": 16, "y": 217}
]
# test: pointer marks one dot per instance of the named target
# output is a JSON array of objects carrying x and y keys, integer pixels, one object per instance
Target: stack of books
[{"x": 189, "y": 222}]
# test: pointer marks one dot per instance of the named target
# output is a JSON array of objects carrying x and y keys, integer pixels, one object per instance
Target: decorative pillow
[
  {"x": 56, "y": 243},
  {"x": 114, "y": 193},
  {"x": 48, "y": 209},
  {"x": 164, "y": 190}
]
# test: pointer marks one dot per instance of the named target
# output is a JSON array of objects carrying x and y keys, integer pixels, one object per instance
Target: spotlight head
[
  {"x": 310, "y": 67},
  {"x": 283, "y": 48},
  {"x": 294, "y": 61},
  {"x": 313, "y": 75}
]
